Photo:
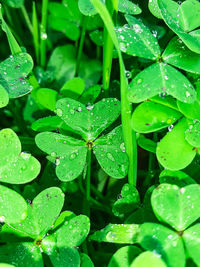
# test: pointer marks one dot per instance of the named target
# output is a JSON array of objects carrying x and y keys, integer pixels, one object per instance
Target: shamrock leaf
[
  {"x": 148, "y": 258},
  {"x": 42, "y": 213},
  {"x": 161, "y": 78},
  {"x": 88, "y": 121},
  {"x": 192, "y": 134},
  {"x": 16, "y": 167},
  {"x": 124, "y": 256},
  {"x": 13, "y": 72},
  {"x": 4, "y": 98},
  {"x": 149, "y": 117},
  {"x": 21, "y": 254},
  {"x": 70, "y": 153},
  {"x": 13, "y": 207},
  {"x": 175, "y": 155},
  {"x": 110, "y": 153},
  {"x": 184, "y": 213},
  {"x": 164, "y": 242},
  {"x": 137, "y": 40},
  {"x": 128, "y": 202}
]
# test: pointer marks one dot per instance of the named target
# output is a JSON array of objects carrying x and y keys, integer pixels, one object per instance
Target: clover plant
[{"x": 99, "y": 133}]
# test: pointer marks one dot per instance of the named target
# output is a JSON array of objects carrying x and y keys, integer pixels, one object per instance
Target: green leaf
[
  {"x": 169, "y": 10},
  {"x": 161, "y": 78},
  {"x": 149, "y": 259},
  {"x": 86, "y": 261},
  {"x": 154, "y": 8},
  {"x": 178, "y": 55},
  {"x": 191, "y": 238},
  {"x": 110, "y": 153},
  {"x": 86, "y": 7},
  {"x": 13, "y": 72},
  {"x": 73, "y": 88},
  {"x": 69, "y": 153},
  {"x": 124, "y": 256},
  {"x": 42, "y": 213},
  {"x": 178, "y": 178},
  {"x": 63, "y": 63},
  {"x": 173, "y": 152},
  {"x": 164, "y": 242},
  {"x": 191, "y": 111},
  {"x": 88, "y": 121},
  {"x": 147, "y": 144},
  {"x": 13, "y": 207},
  {"x": 192, "y": 134},
  {"x": 126, "y": 6},
  {"x": 16, "y": 167},
  {"x": 21, "y": 254},
  {"x": 137, "y": 40},
  {"x": 129, "y": 201},
  {"x": 47, "y": 98},
  {"x": 50, "y": 123},
  {"x": 150, "y": 117},
  {"x": 117, "y": 233},
  {"x": 90, "y": 94},
  {"x": 14, "y": 3},
  {"x": 6, "y": 265},
  {"x": 73, "y": 232},
  {"x": 184, "y": 213},
  {"x": 62, "y": 257},
  {"x": 4, "y": 98}
]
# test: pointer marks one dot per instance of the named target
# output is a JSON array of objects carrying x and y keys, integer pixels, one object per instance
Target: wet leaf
[
  {"x": 69, "y": 153},
  {"x": 73, "y": 232},
  {"x": 173, "y": 151},
  {"x": 170, "y": 9},
  {"x": 136, "y": 39},
  {"x": 127, "y": 7},
  {"x": 16, "y": 167},
  {"x": 178, "y": 55},
  {"x": 191, "y": 238},
  {"x": 117, "y": 233},
  {"x": 90, "y": 94},
  {"x": 160, "y": 78},
  {"x": 184, "y": 213},
  {"x": 148, "y": 258},
  {"x": 4, "y": 98},
  {"x": 192, "y": 133},
  {"x": 21, "y": 254},
  {"x": 88, "y": 121},
  {"x": 128, "y": 202},
  {"x": 86, "y": 7},
  {"x": 13, "y": 72},
  {"x": 51, "y": 123},
  {"x": 42, "y": 213},
  {"x": 154, "y": 8},
  {"x": 191, "y": 111},
  {"x": 164, "y": 242},
  {"x": 178, "y": 178},
  {"x": 110, "y": 153},
  {"x": 13, "y": 207},
  {"x": 124, "y": 256},
  {"x": 149, "y": 117}
]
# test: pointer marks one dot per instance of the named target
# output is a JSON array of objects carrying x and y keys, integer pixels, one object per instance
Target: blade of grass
[
  {"x": 27, "y": 19},
  {"x": 129, "y": 134},
  {"x": 35, "y": 33},
  {"x": 112, "y": 6},
  {"x": 43, "y": 34}
]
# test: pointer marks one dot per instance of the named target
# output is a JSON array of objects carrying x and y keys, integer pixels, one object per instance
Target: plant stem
[
  {"x": 27, "y": 19},
  {"x": 43, "y": 34},
  {"x": 80, "y": 48},
  {"x": 88, "y": 180},
  {"x": 112, "y": 6},
  {"x": 35, "y": 33},
  {"x": 128, "y": 133}
]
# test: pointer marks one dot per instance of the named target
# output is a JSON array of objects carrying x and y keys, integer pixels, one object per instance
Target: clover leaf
[
  {"x": 70, "y": 154},
  {"x": 16, "y": 167}
]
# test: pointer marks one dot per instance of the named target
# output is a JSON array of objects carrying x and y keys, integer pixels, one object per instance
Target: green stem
[
  {"x": 88, "y": 180},
  {"x": 112, "y": 6},
  {"x": 27, "y": 19},
  {"x": 128, "y": 133},
  {"x": 43, "y": 34},
  {"x": 35, "y": 33},
  {"x": 80, "y": 48}
]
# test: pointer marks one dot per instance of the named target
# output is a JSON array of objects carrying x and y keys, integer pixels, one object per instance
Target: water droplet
[
  {"x": 59, "y": 112},
  {"x": 110, "y": 156}
]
